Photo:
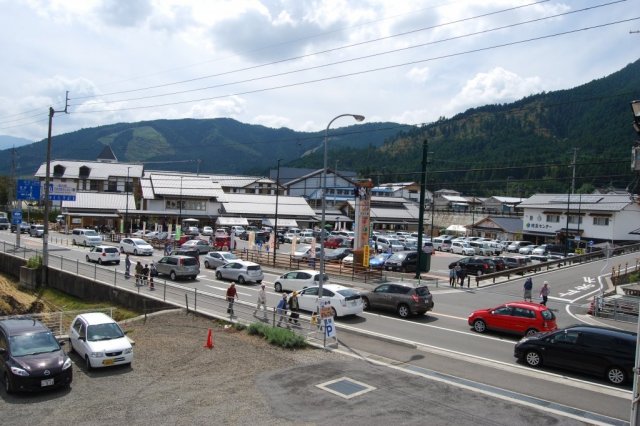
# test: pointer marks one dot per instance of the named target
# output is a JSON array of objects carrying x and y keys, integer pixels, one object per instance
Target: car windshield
[
  {"x": 91, "y": 233},
  {"x": 547, "y": 314},
  {"x": 229, "y": 256},
  {"x": 138, "y": 241},
  {"x": 398, "y": 256},
  {"x": 347, "y": 293},
  {"x": 98, "y": 332},
  {"x": 33, "y": 344}
]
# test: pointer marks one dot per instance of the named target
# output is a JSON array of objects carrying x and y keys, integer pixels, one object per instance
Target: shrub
[
  {"x": 34, "y": 262},
  {"x": 278, "y": 336}
]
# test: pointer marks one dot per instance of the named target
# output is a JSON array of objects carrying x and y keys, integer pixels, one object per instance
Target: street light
[
  {"x": 275, "y": 222},
  {"x": 324, "y": 197},
  {"x": 126, "y": 211}
]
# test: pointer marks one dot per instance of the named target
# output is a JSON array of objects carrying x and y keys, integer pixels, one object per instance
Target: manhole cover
[{"x": 345, "y": 387}]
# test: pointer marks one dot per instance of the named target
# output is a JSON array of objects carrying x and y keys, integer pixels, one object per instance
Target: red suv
[
  {"x": 335, "y": 242},
  {"x": 525, "y": 318}
]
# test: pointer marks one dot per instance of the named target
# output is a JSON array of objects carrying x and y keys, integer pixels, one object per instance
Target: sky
[{"x": 296, "y": 63}]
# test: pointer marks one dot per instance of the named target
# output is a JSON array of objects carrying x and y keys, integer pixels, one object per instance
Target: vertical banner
[{"x": 362, "y": 213}]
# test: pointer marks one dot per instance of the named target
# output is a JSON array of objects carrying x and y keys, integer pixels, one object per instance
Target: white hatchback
[
  {"x": 104, "y": 254},
  {"x": 298, "y": 280},
  {"x": 135, "y": 246},
  {"x": 99, "y": 341},
  {"x": 344, "y": 300}
]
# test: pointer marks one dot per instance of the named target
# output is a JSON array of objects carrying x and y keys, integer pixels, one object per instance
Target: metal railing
[{"x": 60, "y": 321}]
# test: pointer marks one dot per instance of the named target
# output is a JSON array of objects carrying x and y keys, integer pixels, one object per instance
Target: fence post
[
  {"x": 186, "y": 302},
  {"x": 195, "y": 300},
  {"x": 115, "y": 277},
  {"x": 164, "y": 291}
]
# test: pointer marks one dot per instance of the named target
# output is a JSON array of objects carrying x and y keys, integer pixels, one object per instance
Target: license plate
[
  {"x": 107, "y": 362},
  {"x": 46, "y": 382}
]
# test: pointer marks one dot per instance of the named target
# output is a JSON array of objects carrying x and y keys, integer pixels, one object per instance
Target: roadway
[{"x": 443, "y": 341}]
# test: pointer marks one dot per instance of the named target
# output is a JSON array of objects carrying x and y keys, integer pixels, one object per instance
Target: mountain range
[{"x": 511, "y": 149}]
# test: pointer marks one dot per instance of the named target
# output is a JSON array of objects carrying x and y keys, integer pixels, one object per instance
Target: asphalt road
[{"x": 486, "y": 358}]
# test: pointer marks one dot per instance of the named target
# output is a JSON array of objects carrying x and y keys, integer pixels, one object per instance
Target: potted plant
[{"x": 31, "y": 273}]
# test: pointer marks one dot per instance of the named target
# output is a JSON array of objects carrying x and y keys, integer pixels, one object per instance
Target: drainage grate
[{"x": 345, "y": 387}]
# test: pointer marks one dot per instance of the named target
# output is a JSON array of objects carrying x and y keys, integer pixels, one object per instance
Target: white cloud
[
  {"x": 418, "y": 75},
  {"x": 272, "y": 121}
]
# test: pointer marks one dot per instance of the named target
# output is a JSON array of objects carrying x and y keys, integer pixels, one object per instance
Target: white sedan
[
  {"x": 344, "y": 300},
  {"x": 135, "y": 246}
]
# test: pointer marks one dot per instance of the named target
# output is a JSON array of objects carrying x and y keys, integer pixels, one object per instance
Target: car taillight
[
  {"x": 103, "y": 254},
  {"x": 485, "y": 266},
  {"x": 415, "y": 298},
  {"x": 180, "y": 262}
]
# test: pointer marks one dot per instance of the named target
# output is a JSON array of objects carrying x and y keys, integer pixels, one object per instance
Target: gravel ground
[{"x": 173, "y": 380}]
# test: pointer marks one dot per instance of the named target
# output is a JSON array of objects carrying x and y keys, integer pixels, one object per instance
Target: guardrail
[
  {"x": 177, "y": 295},
  {"x": 536, "y": 267}
]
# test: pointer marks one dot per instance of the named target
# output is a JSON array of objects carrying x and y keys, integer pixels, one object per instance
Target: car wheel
[
  {"x": 241, "y": 280},
  {"x": 88, "y": 260},
  {"x": 71, "y": 350},
  {"x": 616, "y": 375},
  {"x": 218, "y": 275},
  {"x": 206, "y": 264},
  {"x": 99, "y": 261},
  {"x": 365, "y": 303},
  {"x": 87, "y": 363},
  {"x": 531, "y": 332},
  {"x": 172, "y": 275},
  {"x": 479, "y": 326},
  {"x": 277, "y": 287},
  {"x": 121, "y": 250},
  {"x": 479, "y": 272},
  {"x": 8, "y": 386},
  {"x": 73, "y": 242},
  {"x": 533, "y": 359},
  {"x": 135, "y": 252},
  {"x": 403, "y": 310}
]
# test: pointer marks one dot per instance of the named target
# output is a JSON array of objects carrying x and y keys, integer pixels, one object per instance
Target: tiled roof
[
  {"x": 585, "y": 202},
  {"x": 163, "y": 185},
  {"x": 101, "y": 201},
  {"x": 252, "y": 204},
  {"x": 97, "y": 170}
]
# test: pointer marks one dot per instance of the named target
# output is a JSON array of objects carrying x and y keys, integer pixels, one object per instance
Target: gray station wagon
[{"x": 178, "y": 267}]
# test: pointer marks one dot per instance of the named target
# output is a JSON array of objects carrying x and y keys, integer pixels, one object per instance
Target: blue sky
[{"x": 296, "y": 63}]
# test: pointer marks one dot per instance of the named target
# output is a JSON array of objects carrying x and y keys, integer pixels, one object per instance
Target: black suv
[
  {"x": 31, "y": 358},
  {"x": 604, "y": 352},
  {"x": 403, "y": 261},
  {"x": 475, "y": 265}
]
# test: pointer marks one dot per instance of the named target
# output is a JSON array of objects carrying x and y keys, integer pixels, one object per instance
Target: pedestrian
[
  {"x": 458, "y": 271},
  {"x": 544, "y": 292},
  {"x": 294, "y": 307},
  {"x": 262, "y": 300},
  {"x": 463, "y": 275},
  {"x": 167, "y": 248},
  {"x": 145, "y": 274},
  {"x": 232, "y": 295},
  {"x": 153, "y": 272},
  {"x": 127, "y": 266},
  {"x": 281, "y": 309},
  {"x": 528, "y": 287},
  {"x": 452, "y": 277},
  {"x": 139, "y": 269}
]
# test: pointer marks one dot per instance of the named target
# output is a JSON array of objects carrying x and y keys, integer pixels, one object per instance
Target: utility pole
[
  {"x": 423, "y": 184},
  {"x": 573, "y": 176},
  {"x": 47, "y": 178}
]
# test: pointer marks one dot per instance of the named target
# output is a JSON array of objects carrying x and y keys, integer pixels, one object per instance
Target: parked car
[
  {"x": 24, "y": 227},
  {"x": 337, "y": 241},
  {"x": 600, "y": 351},
  {"x": 104, "y": 254},
  {"x": 187, "y": 251},
  {"x": 526, "y": 250},
  {"x": 31, "y": 358},
  {"x": 348, "y": 260},
  {"x": 36, "y": 230},
  {"x": 303, "y": 252},
  {"x": 99, "y": 341},
  {"x": 475, "y": 265},
  {"x": 403, "y": 261},
  {"x": 442, "y": 243},
  {"x": 201, "y": 245},
  {"x": 499, "y": 262},
  {"x": 85, "y": 237},
  {"x": 515, "y": 261},
  {"x": 215, "y": 259},
  {"x": 524, "y": 318},
  {"x": 298, "y": 280},
  {"x": 4, "y": 223},
  {"x": 241, "y": 271},
  {"x": 462, "y": 247},
  {"x": 135, "y": 246},
  {"x": 377, "y": 261},
  {"x": 384, "y": 243},
  {"x": 344, "y": 300},
  {"x": 401, "y": 297},
  {"x": 176, "y": 266},
  {"x": 207, "y": 230},
  {"x": 517, "y": 245},
  {"x": 337, "y": 254},
  {"x": 192, "y": 230}
]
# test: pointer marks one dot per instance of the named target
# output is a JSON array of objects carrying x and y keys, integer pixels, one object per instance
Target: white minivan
[{"x": 85, "y": 237}]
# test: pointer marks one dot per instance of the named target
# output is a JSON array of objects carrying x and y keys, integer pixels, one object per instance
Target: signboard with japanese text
[
  {"x": 60, "y": 192},
  {"x": 362, "y": 213},
  {"x": 28, "y": 190}
]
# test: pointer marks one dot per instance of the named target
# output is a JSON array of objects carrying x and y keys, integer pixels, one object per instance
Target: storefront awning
[
  {"x": 90, "y": 214},
  {"x": 232, "y": 221},
  {"x": 456, "y": 228},
  {"x": 282, "y": 222}
]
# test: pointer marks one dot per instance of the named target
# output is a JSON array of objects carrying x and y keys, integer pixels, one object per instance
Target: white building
[{"x": 597, "y": 218}]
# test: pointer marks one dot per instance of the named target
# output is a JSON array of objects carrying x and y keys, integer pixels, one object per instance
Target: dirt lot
[{"x": 173, "y": 380}]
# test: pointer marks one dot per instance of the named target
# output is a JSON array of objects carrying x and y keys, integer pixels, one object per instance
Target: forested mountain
[
  {"x": 519, "y": 148},
  {"x": 510, "y": 149}
]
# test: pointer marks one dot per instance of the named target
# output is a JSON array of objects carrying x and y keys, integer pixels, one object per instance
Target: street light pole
[
  {"x": 324, "y": 197},
  {"x": 126, "y": 211},
  {"x": 275, "y": 222}
]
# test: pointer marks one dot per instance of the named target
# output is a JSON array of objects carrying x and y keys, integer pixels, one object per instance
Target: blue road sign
[
  {"x": 28, "y": 190},
  {"x": 16, "y": 217},
  {"x": 55, "y": 197}
]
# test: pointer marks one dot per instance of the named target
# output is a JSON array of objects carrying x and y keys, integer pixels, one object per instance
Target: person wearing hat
[
  {"x": 262, "y": 300},
  {"x": 282, "y": 309},
  {"x": 294, "y": 307}
]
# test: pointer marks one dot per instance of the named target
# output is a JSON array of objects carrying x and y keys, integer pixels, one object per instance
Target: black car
[
  {"x": 4, "y": 223},
  {"x": 337, "y": 253},
  {"x": 31, "y": 358},
  {"x": 601, "y": 351},
  {"x": 475, "y": 265},
  {"x": 403, "y": 261}
]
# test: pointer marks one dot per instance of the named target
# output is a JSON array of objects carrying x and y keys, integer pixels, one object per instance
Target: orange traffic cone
[{"x": 209, "y": 343}]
